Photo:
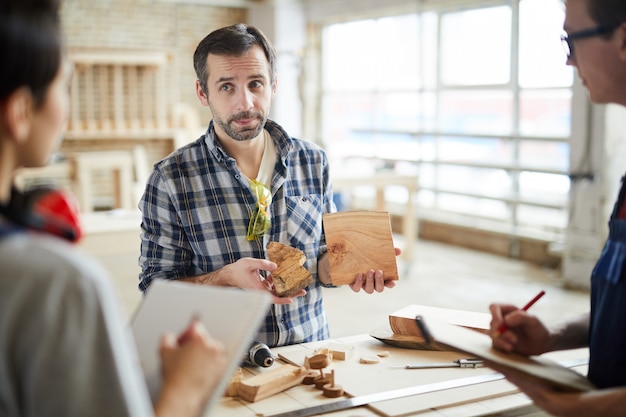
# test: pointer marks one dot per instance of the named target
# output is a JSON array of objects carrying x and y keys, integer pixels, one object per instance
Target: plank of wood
[
  {"x": 402, "y": 322},
  {"x": 290, "y": 277},
  {"x": 272, "y": 382},
  {"x": 358, "y": 241}
]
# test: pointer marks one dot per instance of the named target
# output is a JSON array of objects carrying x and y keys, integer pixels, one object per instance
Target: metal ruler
[{"x": 405, "y": 392}]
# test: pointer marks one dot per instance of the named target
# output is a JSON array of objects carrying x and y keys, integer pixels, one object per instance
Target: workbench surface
[{"x": 494, "y": 398}]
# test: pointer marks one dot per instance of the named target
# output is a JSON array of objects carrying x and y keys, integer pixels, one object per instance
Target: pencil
[{"x": 528, "y": 305}]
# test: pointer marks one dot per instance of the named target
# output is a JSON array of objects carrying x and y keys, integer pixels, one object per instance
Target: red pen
[{"x": 528, "y": 305}]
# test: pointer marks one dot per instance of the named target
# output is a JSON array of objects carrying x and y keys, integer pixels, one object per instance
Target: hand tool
[{"x": 459, "y": 363}]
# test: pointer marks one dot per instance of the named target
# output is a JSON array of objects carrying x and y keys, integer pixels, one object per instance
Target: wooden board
[
  {"x": 358, "y": 241},
  {"x": 402, "y": 322}
]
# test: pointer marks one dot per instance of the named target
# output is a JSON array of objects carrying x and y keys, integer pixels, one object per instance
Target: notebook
[
  {"x": 231, "y": 315},
  {"x": 478, "y": 344}
]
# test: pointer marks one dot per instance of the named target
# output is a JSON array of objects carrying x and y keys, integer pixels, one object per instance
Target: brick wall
[{"x": 149, "y": 25}]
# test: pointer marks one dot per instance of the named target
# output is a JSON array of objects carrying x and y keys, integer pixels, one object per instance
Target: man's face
[
  {"x": 596, "y": 59},
  {"x": 239, "y": 93}
]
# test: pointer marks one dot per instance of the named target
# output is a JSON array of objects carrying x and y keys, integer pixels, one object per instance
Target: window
[{"x": 475, "y": 102}]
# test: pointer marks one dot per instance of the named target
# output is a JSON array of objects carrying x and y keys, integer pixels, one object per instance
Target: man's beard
[{"x": 246, "y": 133}]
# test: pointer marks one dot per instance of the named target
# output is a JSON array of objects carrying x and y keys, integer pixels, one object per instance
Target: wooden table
[{"x": 496, "y": 398}]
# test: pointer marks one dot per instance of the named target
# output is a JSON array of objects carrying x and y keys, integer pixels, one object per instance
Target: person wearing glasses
[
  {"x": 596, "y": 46},
  {"x": 64, "y": 348},
  {"x": 211, "y": 208}
]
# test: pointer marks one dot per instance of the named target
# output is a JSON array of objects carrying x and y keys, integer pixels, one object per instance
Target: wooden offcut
[
  {"x": 290, "y": 277},
  {"x": 403, "y": 322},
  {"x": 357, "y": 242},
  {"x": 272, "y": 382}
]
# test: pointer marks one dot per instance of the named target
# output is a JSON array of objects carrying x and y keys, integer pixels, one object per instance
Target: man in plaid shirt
[{"x": 211, "y": 207}]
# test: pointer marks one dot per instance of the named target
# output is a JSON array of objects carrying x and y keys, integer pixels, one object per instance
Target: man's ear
[
  {"x": 274, "y": 85},
  {"x": 17, "y": 111},
  {"x": 202, "y": 95}
]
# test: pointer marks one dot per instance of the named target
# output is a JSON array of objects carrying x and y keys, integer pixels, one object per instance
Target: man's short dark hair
[
  {"x": 607, "y": 13},
  {"x": 233, "y": 40}
]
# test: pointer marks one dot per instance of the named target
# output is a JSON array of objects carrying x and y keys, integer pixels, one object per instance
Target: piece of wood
[
  {"x": 309, "y": 378},
  {"x": 272, "y": 382},
  {"x": 340, "y": 351},
  {"x": 369, "y": 359},
  {"x": 357, "y": 242},
  {"x": 290, "y": 277},
  {"x": 332, "y": 390},
  {"x": 390, "y": 338},
  {"x": 233, "y": 385},
  {"x": 402, "y": 322}
]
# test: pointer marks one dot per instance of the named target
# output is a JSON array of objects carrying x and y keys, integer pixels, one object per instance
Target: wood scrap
[
  {"x": 233, "y": 385},
  {"x": 332, "y": 390},
  {"x": 340, "y": 351},
  {"x": 403, "y": 322},
  {"x": 272, "y": 382},
  {"x": 290, "y": 277}
]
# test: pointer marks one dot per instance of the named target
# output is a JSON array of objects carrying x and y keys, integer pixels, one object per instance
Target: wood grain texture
[
  {"x": 272, "y": 382},
  {"x": 290, "y": 277},
  {"x": 358, "y": 241},
  {"x": 402, "y": 322}
]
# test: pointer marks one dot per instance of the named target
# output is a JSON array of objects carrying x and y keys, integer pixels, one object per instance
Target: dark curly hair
[{"x": 30, "y": 46}]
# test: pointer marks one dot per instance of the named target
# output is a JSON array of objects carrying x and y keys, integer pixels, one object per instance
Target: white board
[{"x": 231, "y": 315}]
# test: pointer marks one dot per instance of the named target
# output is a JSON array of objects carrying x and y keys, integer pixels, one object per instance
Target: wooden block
[
  {"x": 290, "y": 277},
  {"x": 358, "y": 241},
  {"x": 402, "y": 322},
  {"x": 340, "y": 351},
  {"x": 272, "y": 382},
  {"x": 233, "y": 385},
  {"x": 406, "y": 341}
]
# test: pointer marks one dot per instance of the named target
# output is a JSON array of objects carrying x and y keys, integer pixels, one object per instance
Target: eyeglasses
[
  {"x": 568, "y": 39},
  {"x": 260, "y": 220}
]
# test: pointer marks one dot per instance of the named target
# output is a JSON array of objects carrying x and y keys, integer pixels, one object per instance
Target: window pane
[
  {"x": 345, "y": 47},
  {"x": 480, "y": 181},
  {"x": 540, "y": 187},
  {"x": 365, "y": 55},
  {"x": 476, "y": 150},
  {"x": 473, "y": 206},
  {"x": 397, "y": 52},
  {"x": 486, "y": 112},
  {"x": 541, "y": 56},
  {"x": 545, "y": 112},
  {"x": 476, "y": 47},
  {"x": 545, "y": 219},
  {"x": 544, "y": 155}
]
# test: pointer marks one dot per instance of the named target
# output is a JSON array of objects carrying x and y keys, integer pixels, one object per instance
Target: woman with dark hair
[{"x": 64, "y": 349}]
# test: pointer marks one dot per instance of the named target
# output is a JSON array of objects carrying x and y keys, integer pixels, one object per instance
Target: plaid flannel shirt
[{"x": 195, "y": 214}]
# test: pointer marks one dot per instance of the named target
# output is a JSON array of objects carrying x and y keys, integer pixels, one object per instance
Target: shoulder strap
[{"x": 7, "y": 229}]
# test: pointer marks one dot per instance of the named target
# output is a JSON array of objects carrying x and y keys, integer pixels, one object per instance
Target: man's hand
[
  {"x": 525, "y": 334},
  {"x": 373, "y": 280},
  {"x": 246, "y": 274}
]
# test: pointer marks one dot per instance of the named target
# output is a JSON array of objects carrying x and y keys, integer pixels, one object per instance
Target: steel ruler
[{"x": 405, "y": 392}]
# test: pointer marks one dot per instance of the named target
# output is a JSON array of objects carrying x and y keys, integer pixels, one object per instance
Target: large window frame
[{"x": 517, "y": 202}]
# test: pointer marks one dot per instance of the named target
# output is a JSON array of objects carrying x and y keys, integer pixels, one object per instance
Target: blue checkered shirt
[{"x": 195, "y": 214}]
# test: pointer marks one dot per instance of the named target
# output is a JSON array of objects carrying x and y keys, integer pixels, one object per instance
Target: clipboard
[
  {"x": 231, "y": 315},
  {"x": 478, "y": 345}
]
